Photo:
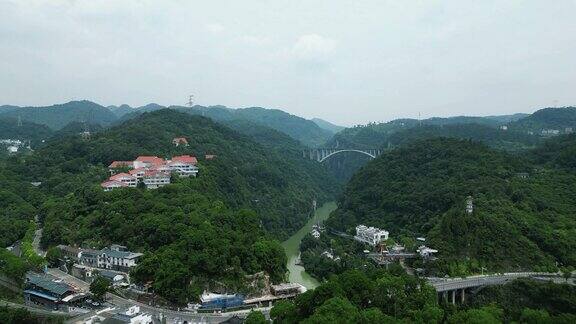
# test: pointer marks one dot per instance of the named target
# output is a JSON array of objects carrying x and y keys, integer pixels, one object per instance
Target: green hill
[
  {"x": 327, "y": 125},
  {"x": 303, "y": 130},
  {"x": 208, "y": 231},
  {"x": 58, "y": 116},
  {"x": 420, "y": 190},
  {"x": 35, "y": 133},
  {"x": 547, "y": 118},
  {"x": 279, "y": 184}
]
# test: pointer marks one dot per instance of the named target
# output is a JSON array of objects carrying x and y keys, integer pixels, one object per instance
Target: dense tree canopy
[{"x": 523, "y": 216}]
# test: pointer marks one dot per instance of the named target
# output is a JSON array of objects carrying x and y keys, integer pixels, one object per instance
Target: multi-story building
[
  {"x": 148, "y": 162},
  {"x": 126, "y": 178},
  {"x": 370, "y": 235},
  {"x": 153, "y": 171},
  {"x": 110, "y": 184},
  {"x": 156, "y": 179}
]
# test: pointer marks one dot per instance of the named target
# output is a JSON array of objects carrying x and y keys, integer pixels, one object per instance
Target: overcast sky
[{"x": 344, "y": 61}]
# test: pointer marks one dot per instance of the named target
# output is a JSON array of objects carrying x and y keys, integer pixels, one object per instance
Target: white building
[
  {"x": 129, "y": 180},
  {"x": 183, "y": 169},
  {"x": 156, "y": 179},
  {"x": 110, "y": 185},
  {"x": 469, "y": 205},
  {"x": 370, "y": 235},
  {"x": 117, "y": 258},
  {"x": 12, "y": 149}
]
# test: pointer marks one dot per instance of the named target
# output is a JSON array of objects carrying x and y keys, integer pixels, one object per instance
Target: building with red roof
[
  {"x": 111, "y": 184},
  {"x": 185, "y": 159},
  {"x": 153, "y": 171},
  {"x": 115, "y": 165},
  {"x": 128, "y": 179},
  {"x": 145, "y": 161}
]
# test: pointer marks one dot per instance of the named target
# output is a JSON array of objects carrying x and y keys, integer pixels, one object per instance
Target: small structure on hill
[
  {"x": 180, "y": 141},
  {"x": 469, "y": 205},
  {"x": 426, "y": 252}
]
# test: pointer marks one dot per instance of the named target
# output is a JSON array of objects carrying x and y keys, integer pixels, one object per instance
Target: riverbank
[{"x": 292, "y": 248}]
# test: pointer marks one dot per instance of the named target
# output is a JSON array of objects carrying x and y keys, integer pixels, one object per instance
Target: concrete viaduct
[{"x": 453, "y": 289}]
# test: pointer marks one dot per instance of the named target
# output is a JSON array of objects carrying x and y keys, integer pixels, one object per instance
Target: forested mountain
[
  {"x": 547, "y": 118},
  {"x": 216, "y": 227},
  {"x": 57, "y": 116},
  {"x": 35, "y": 133},
  {"x": 506, "y": 140},
  {"x": 327, "y": 125},
  {"x": 303, "y": 130},
  {"x": 504, "y": 119},
  {"x": 402, "y": 133},
  {"x": 523, "y": 215}
]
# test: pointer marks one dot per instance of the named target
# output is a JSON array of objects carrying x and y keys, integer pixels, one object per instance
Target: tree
[
  {"x": 255, "y": 317},
  {"x": 99, "y": 287},
  {"x": 335, "y": 310},
  {"x": 534, "y": 316},
  {"x": 53, "y": 256},
  {"x": 284, "y": 312},
  {"x": 484, "y": 315},
  {"x": 566, "y": 273}
]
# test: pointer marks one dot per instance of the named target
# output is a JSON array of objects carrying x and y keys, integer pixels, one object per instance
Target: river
[{"x": 292, "y": 248}]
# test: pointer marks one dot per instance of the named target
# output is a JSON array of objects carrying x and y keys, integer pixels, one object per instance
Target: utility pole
[{"x": 19, "y": 121}]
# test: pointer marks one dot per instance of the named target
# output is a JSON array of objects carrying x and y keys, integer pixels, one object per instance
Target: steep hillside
[
  {"x": 197, "y": 233},
  {"x": 547, "y": 118},
  {"x": 58, "y": 116},
  {"x": 279, "y": 185},
  {"x": 420, "y": 190},
  {"x": 327, "y": 125}
]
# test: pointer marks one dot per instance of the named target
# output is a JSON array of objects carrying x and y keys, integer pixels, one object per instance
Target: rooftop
[
  {"x": 121, "y": 254},
  {"x": 48, "y": 283}
]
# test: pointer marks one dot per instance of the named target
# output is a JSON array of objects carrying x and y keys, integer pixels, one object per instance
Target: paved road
[
  {"x": 442, "y": 285},
  {"x": 120, "y": 303},
  {"x": 39, "y": 311},
  {"x": 37, "y": 238}
]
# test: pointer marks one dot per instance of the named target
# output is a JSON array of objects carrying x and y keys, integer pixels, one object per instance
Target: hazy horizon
[{"x": 347, "y": 63}]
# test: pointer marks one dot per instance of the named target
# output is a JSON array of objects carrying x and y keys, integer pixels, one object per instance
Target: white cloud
[
  {"x": 313, "y": 47},
  {"x": 215, "y": 28}
]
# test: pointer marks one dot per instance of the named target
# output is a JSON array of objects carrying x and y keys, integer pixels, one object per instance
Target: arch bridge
[{"x": 322, "y": 154}]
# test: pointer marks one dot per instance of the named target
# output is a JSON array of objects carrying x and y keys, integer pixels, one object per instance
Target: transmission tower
[{"x": 190, "y": 101}]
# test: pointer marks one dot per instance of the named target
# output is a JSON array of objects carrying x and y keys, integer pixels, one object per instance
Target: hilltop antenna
[
  {"x": 190, "y": 101},
  {"x": 419, "y": 119}
]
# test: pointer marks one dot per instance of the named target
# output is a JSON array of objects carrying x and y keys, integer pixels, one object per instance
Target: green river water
[{"x": 292, "y": 248}]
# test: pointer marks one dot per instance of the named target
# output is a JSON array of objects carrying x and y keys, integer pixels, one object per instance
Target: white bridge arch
[{"x": 322, "y": 154}]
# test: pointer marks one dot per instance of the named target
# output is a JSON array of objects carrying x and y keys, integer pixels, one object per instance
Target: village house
[
  {"x": 118, "y": 258},
  {"x": 115, "y": 257}
]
